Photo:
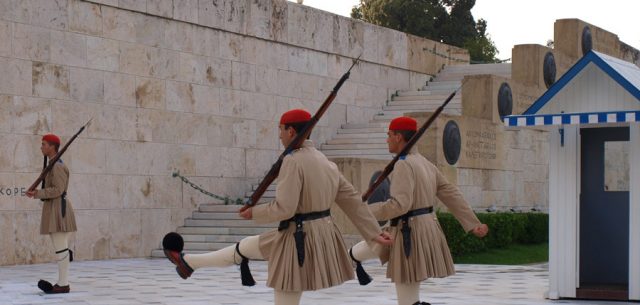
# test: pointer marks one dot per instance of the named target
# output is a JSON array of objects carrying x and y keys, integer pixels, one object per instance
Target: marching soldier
[
  {"x": 420, "y": 250},
  {"x": 306, "y": 252},
  {"x": 58, "y": 219}
]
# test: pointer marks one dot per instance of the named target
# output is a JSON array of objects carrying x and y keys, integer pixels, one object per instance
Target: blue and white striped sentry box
[
  {"x": 571, "y": 118},
  {"x": 613, "y": 96}
]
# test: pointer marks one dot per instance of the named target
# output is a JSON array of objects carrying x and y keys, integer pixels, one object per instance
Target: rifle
[
  {"x": 297, "y": 142},
  {"x": 55, "y": 159},
  {"x": 389, "y": 168}
]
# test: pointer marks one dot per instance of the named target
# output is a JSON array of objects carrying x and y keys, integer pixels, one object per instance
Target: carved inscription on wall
[{"x": 482, "y": 144}]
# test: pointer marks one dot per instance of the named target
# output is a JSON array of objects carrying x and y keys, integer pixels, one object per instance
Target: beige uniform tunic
[
  {"x": 309, "y": 182},
  {"x": 415, "y": 183},
  {"x": 56, "y": 183}
]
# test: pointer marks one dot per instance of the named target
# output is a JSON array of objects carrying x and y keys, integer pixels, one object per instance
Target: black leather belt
[
  {"x": 406, "y": 230},
  {"x": 299, "y": 235}
]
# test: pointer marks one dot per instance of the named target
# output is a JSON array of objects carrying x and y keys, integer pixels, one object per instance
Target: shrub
[{"x": 504, "y": 229}]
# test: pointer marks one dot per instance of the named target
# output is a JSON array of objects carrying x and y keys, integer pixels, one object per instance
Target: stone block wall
[
  {"x": 496, "y": 168},
  {"x": 195, "y": 86},
  {"x": 508, "y": 169}
]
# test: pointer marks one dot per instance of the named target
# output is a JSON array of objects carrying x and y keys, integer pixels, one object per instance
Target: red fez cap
[
  {"x": 295, "y": 116},
  {"x": 51, "y": 138},
  {"x": 403, "y": 123}
]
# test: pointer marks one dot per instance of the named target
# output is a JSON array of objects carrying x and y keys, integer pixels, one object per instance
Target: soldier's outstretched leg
[
  {"x": 247, "y": 248},
  {"x": 359, "y": 253}
]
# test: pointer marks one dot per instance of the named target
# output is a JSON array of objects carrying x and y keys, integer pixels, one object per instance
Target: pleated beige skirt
[
  {"x": 430, "y": 255},
  {"x": 52, "y": 220},
  {"x": 326, "y": 262}
]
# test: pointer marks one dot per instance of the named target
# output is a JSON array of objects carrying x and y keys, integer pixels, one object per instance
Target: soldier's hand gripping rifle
[
  {"x": 297, "y": 142},
  {"x": 389, "y": 168},
  {"x": 55, "y": 159}
]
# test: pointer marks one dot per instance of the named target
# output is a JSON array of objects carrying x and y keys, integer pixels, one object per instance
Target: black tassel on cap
[
  {"x": 363, "y": 277},
  {"x": 245, "y": 272}
]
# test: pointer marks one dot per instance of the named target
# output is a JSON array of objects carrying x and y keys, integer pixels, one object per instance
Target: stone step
[
  {"x": 354, "y": 152},
  {"x": 222, "y": 230},
  {"x": 158, "y": 253},
  {"x": 477, "y": 67},
  {"x": 219, "y": 208},
  {"x": 361, "y": 135},
  {"x": 419, "y": 107},
  {"x": 390, "y": 115},
  {"x": 443, "y": 87},
  {"x": 210, "y": 246},
  {"x": 409, "y": 102},
  {"x": 356, "y": 141},
  {"x": 364, "y": 125},
  {"x": 413, "y": 93},
  {"x": 382, "y": 118},
  {"x": 462, "y": 73},
  {"x": 361, "y": 130},
  {"x": 216, "y": 215},
  {"x": 460, "y": 77},
  {"x": 217, "y": 238},
  {"x": 443, "y": 83},
  {"x": 219, "y": 216},
  {"x": 267, "y": 194},
  {"x": 380, "y": 145},
  {"x": 225, "y": 223},
  {"x": 433, "y": 97}
]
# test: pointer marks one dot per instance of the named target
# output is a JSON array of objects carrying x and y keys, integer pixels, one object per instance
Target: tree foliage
[{"x": 447, "y": 21}]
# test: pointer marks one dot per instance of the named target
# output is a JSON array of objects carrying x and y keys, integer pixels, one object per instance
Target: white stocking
[
  {"x": 408, "y": 294},
  {"x": 363, "y": 252},
  {"x": 249, "y": 247},
  {"x": 287, "y": 297},
  {"x": 61, "y": 245}
]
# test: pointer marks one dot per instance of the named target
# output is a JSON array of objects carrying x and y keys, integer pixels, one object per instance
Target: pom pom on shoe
[{"x": 173, "y": 241}]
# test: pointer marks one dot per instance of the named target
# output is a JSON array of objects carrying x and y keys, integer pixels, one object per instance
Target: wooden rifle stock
[{"x": 297, "y": 141}]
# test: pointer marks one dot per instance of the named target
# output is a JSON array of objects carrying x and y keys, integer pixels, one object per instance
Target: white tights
[
  {"x": 408, "y": 293},
  {"x": 250, "y": 248},
  {"x": 60, "y": 243}
]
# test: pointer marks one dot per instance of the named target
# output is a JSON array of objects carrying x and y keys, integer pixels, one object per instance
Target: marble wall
[{"x": 195, "y": 86}]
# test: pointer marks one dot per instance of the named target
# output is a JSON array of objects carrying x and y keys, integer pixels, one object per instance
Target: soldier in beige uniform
[
  {"x": 306, "y": 252},
  {"x": 58, "y": 219},
  {"x": 420, "y": 250}
]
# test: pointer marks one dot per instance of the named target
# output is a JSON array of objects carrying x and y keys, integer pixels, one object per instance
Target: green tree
[
  {"x": 481, "y": 48},
  {"x": 418, "y": 17},
  {"x": 448, "y": 21}
]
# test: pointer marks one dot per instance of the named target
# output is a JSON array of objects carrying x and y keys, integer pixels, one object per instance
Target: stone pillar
[{"x": 358, "y": 172}]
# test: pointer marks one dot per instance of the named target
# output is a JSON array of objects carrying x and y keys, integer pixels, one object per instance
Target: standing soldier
[
  {"x": 306, "y": 252},
  {"x": 58, "y": 219},
  {"x": 420, "y": 250}
]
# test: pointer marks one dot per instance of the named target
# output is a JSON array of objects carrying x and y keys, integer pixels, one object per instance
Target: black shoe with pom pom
[{"x": 173, "y": 244}]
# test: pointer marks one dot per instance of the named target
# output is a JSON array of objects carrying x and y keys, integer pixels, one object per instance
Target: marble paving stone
[{"x": 154, "y": 281}]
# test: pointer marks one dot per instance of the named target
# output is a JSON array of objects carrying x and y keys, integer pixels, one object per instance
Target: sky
[{"x": 512, "y": 22}]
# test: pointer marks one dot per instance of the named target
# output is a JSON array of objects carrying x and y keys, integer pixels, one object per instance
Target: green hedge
[{"x": 504, "y": 229}]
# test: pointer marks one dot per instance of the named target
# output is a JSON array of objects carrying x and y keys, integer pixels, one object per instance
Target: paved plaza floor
[{"x": 154, "y": 281}]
